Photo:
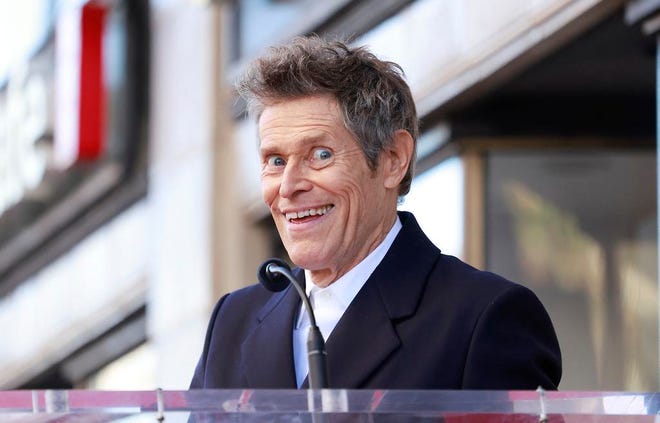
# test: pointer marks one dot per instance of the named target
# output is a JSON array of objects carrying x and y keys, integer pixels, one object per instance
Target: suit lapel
[
  {"x": 363, "y": 338},
  {"x": 267, "y": 353},
  {"x": 366, "y": 335}
]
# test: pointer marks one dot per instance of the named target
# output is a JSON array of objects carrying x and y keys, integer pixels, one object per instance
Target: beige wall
[{"x": 180, "y": 185}]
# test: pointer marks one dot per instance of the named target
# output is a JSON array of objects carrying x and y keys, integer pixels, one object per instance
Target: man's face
[{"x": 330, "y": 208}]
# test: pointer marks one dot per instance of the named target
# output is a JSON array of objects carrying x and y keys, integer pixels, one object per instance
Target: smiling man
[
  {"x": 337, "y": 129},
  {"x": 330, "y": 208}
]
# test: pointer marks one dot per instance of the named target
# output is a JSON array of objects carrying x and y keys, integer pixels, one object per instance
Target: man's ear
[{"x": 396, "y": 158}]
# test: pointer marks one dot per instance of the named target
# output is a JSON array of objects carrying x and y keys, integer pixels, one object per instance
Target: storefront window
[
  {"x": 436, "y": 199},
  {"x": 262, "y": 23},
  {"x": 270, "y": 18},
  {"x": 580, "y": 229}
]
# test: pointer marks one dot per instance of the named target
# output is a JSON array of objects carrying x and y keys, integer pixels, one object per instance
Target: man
[{"x": 337, "y": 130}]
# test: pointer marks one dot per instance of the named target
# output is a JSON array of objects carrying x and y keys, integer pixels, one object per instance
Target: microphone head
[{"x": 273, "y": 281}]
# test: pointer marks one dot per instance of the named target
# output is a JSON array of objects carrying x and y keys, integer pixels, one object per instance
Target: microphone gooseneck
[{"x": 275, "y": 274}]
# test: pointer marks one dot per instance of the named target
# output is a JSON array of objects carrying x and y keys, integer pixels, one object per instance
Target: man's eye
[
  {"x": 322, "y": 154},
  {"x": 275, "y": 161}
]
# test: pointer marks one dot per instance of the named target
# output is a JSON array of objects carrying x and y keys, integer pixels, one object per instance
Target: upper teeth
[{"x": 308, "y": 212}]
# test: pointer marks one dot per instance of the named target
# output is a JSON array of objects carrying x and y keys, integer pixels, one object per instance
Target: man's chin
[{"x": 306, "y": 261}]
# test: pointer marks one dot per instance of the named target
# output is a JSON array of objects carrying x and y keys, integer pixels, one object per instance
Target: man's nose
[{"x": 294, "y": 180}]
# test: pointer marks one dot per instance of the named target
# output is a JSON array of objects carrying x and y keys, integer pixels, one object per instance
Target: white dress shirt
[{"x": 331, "y": 302}]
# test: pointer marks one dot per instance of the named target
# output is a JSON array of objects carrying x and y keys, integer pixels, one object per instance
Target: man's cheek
[{"x": 268, "y": 192}]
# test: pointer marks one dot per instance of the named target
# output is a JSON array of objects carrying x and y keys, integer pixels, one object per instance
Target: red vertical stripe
[{"x": 92, "y": 91}]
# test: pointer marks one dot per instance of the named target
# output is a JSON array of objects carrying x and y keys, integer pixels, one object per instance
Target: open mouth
[{"x": 309, "y": 214}]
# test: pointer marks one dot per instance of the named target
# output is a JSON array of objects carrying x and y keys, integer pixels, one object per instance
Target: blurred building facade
[{"x": 537, "y": 161}]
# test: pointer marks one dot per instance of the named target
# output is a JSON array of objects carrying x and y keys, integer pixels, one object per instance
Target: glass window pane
[
  {"x": 262, "y": 22},
  {"x": 580, "y": 229},
  {"x": 436, "y": 199}
]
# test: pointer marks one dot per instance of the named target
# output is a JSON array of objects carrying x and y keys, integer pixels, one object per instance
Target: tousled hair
[{"x": 373, "y": 97}]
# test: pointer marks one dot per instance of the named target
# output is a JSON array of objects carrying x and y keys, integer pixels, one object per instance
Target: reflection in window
[
  {"x": 436, "y": 199},
  {"x": 581, "y": 230},
  {"x": 553, "y": 249},
  {"x": 262, "y": 22}
]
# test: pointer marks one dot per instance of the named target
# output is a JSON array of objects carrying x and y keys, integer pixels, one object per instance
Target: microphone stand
[{"x": 316, "y": 354}]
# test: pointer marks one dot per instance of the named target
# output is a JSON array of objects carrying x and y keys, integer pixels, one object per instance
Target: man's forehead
[
  {"x": 306, "y": 117},
  {"x": 311, "y": 105}
]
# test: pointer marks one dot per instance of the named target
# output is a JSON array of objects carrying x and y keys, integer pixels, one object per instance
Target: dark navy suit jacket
[{"x": 423, "y": 320}]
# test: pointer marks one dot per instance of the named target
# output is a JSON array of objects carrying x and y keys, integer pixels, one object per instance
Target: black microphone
[{"x": 275, "y": 275}]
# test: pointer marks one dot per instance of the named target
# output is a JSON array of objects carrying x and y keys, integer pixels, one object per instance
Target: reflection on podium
[{"x": 328, "y": 405}]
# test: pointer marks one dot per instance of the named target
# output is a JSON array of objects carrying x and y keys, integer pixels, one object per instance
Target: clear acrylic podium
[{"x": 328, "y": 406}]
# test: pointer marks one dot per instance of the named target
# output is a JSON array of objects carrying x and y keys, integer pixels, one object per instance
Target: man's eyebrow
[
  {"x": 303, "y": 143},
  {"x": 268, "y": 150}
]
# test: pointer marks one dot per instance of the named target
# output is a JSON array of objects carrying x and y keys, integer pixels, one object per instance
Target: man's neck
[{"x": 325, "y": 277}]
